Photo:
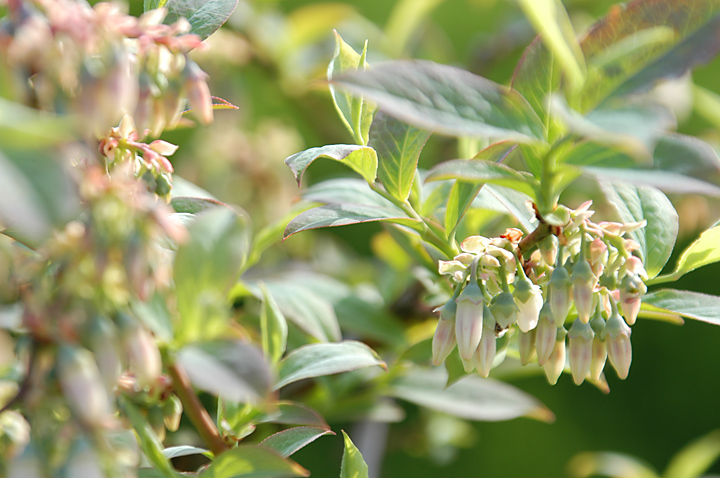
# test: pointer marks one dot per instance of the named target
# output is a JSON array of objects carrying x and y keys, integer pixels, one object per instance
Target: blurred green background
[{"x": 270, "y": 60}]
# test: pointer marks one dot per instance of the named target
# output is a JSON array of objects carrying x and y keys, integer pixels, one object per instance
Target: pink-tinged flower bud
[
  {"x": 560, "y": 294},
  {"x": 103, "y": 343},
  {"x": 485, "y": 354},
  {"x": 549, "y": 249},
  {"x": 583, "y": 281},
  {"x": 504, "y": 309},
  {"x": 617, "y": 339},
  {"x": 198, "y": 92},
  {"x": 580, "y": 338},
  {"x": 599, "y": 350},
  {"x": 545, "y": 335},
  {"x": 598, "y": 252},
  {"x": 556, "y": 362},
  {"x": 469, "y": 320},
  {"x": 529, "y": 301},
  {"x": 443, "y": 341},
  {"x": 83, "y": 387},
  {"x": 526, "y": 347},
  {"x": 632, "y": 288},
  {"x": 163, "y": 147},
  {"x": 144, "y": 355}
]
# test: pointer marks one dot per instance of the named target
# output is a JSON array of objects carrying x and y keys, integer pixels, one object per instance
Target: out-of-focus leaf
[
  {"x": 205, "y": 16},
  {"x": 506, "y": 200},
  {"x": 154, "y": 314},
  {"x": 355, "y": 112},
  {"x": 184, "y": 188},
  {"x": 252, "y": 462},
  {"x": 311, "y": 312},
  {"x": 638, "y": 203},
  {"x": 404, "y": 19},
  {"x": 536, "y": 78},
  {"x": 447, "y": 100},
  {"x": 353, "y": 465},
  {"x": 706, "y": 103},
  {"x": 292, "y": 413},
  {"x": 691, "y": 305},
  {"x": 398, "y": 146},
  {"x": 273, "y": 327},
  {"x": 153, "y": 4},
  {"x": 317, "y": 360},
  {"x": 235, "y": 370},
  {"x": 205, "y": 268},
  {"x": 688, "y": 156},
  {"x": 463, "y": 193},
  {"x": 346, "y": 214},
  {"x": 36, "y": 193},
  {"x": 362, "y": 159},
  {"x": 273, "y": 233},
  {"x": 482, "y": 171},
  {"x": 347, "y": 190},
  {"x": 664, "y": 180},
  {"x": 291, "y": 440},
  {"x": 25, "y": 128},
  {"x": 703, "y": 251},
  {"x": 194, "y": 205},
  {"x": 647, "y": 58},
  {"x": 585, "y": 465},
  {"x": 695, "y": 458},
  {"x": 149, "y": 443},
  {"x": 176, "y": 451},
  {"x": 473, "y": 397},
  {"x": 551, "y": 21}
]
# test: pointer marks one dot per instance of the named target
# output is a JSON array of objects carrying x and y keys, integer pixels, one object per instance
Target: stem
[
  {"x": 542, "y": 231},
  {"x": 197, "y": 414}
]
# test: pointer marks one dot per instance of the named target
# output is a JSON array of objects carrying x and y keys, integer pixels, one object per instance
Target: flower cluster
[
  {"x": 530, "y": 288},
  {"x": 100, "y": 63}
]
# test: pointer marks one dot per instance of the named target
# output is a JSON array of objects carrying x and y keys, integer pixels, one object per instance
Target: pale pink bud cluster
[{"x": 582, "y": 276}]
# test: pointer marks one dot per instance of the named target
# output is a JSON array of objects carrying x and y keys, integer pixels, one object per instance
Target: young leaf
[
  {"x": 552, "y": 22},
  {"x": 310, "y": 311},
  {"x": 353, "y": 465},
  {"x": 691, "y": 305},
  {"x": 647, "y": 58},
  {"x": 699, "y": 159},
  {"x": 273, "y": 327},
  {"x": 252, "y": 462},
  {"x": 463, "y": 193},
  {"x": 176, "y": 451},
  {"x": 205, "y": 16},
  {"x": 292, "y": 413},
  {"x": 194, "y": 205},
  {"x": 205, "y": 268},
  {"x": 638, "y": 203},
  {"x": 344, "y": 214},
  {"x": 361, "y": 159},
  {"x": 235, "y": 370},
  {"x": 291, "y": 440},
  {"x": 472, "y": 398},
  {"x": 695, "y": 458},
  {"x": 149, "y": 442},
  {"x": 508, "y": 201},
  {"x": 703, "y": 251},
  {"x": 317, "y": 360},
  {"x": 398, "y": 146},
  {"x": 447, "y": 100},
  {"x": 355, "y": 112},
  {"x": 482, "y": 171}
]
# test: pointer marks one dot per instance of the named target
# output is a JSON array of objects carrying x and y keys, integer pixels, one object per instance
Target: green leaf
[
  {"x": 317, "y": 360},
  {"x": 405, "y": 18},
  {"x": 509, "y": 201},
  {"x": 398, "y": 146},
  {"x": 688, "y": 156},
  {"x": 194, "y": 205},
  {"x": 454, "y": 367},
  {"x": 355, "y": 112},
  {"x": 553, "y": 23},
  {"x": 667, "y": 181},
  {"x": 703, "y": 251},
  {"x": 22, "y": 127},
  {"x": 206, "y": 266},
  {"x": 292, "y": 413},
  {"x": 472, "y": 398},
  {"x": 588, "y": 464},
  {"x": 273, "y": 327},
  {"x": 482, "y": 171},
  {"x": 353, "y": 465},
  {"x": 641, "y": 53},
  {"x": 536, "y": 77},
  {"x": 463, "y": 193},
  {"x": 289, "y": 441},
  {"x": 691, "y": 305},
  {"x": 184, "y": 188},
  {"x": 695, "y": 458},
  {"x": 154, "y": 314},
  {"x": 345, "y": 214},
  {"x": 638, "y": 203},
  {"x": 252, "y": 462},
  {"x": 447, "y": 100},
  {"x": 310, "y": 311},
  {"x": 184, "y": 450},
  {"x": 153, "y": 4},
  {"x": 205, "y": 16},
  {"x": 347, "y": 190},
  {"x": 150, "y": 444},
  {"x": 362, "y": 159},
  {"x": 235, "y": 370}
]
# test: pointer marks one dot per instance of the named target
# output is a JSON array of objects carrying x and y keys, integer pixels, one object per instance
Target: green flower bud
[
  {"x": 546, "y": 333},
  {"x": 549, "y": 249},
  {"x": 172, "y": 413},
  {"x": 560, "y": 294},
  {"x": 580, "y": 338},
  {"x": 526, "y": 346},
  {"x": 556, "y": 362},
  {"x": 485, "y": 354},
  {"x": 469, "y": 320},
  {"x": 529, "y": 301},
  {"x": 504, "y": 309}
]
